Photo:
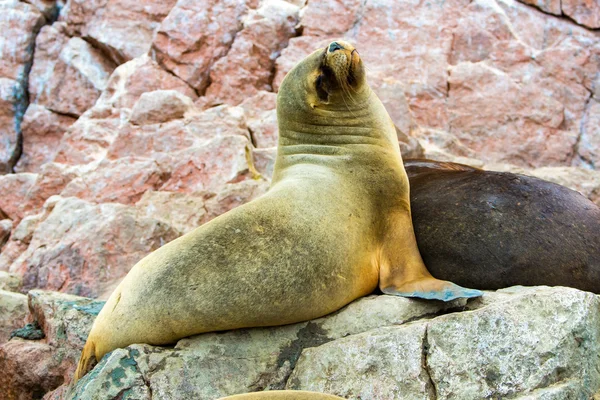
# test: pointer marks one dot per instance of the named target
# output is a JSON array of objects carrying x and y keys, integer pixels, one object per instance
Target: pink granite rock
[
  {"x": 195, "y": 35},
  {"x": 584, "y": 12},
  {"x": 261, "y": 118},
  {"x": 495, "y": 117},
  {"x": 234, "y": 195},
  {"x": 589, "y": 144},
  {"x": 19, "y": 24},
  {"x": 82, "y": 248},
  {"x": 5, "y": 228},
  {"x": 42, "y": 132},
  {"x": 35, "y": 366},
  {"x": 165, "y": 141},
  {"x": 183, "y": 211},
  {"x": 119, "y": 181},
  {"x": 124, "y": 29},
  {"x": 79, "y": 76},
  {"x": 210, "y": 166},
  {"x": 248, "y": 66},
  {"x": 160, "y": 106},
  {"x": 130, "y": 80},
  {"x": 25, "y": 193},
  {"x": 48, "y": 45},
  {"x": 13, "y": 310}
]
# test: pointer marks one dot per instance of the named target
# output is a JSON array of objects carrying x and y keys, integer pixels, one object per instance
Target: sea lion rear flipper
[
  {"x": 402, "y": 271},
  {"x": 86, "y": 361}
]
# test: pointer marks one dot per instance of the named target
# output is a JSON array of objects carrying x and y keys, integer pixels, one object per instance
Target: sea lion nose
[{"x": 335, "y": 46}]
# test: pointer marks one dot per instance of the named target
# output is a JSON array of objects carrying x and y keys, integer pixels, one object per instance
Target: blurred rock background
[{"x": 125, "y": 124}]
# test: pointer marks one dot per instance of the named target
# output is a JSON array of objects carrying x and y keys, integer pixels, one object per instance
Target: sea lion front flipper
[
  {"x": 402, "y": 271},
  {"x": 432, "y": 289}
]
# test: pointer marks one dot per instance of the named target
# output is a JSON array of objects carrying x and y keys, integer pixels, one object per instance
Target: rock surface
[
  {"x": 519, "y": 343},
  {"x": 34, "y": 367}
]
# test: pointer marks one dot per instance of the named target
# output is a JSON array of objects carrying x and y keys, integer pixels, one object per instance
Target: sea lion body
[
  {"x": 334, "y": 224},
  {"x": 491, "y": 230}
]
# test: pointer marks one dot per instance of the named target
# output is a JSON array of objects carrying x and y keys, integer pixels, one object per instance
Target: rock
[
  {"x": 19, "y": 24},
  {"x": 589, "y": 144},
  {"x": 190, "y": 40},
  {"x": 261, "y": 117},
  {"x": 503, "y": 349},
  {"x": 124, "y": 29},
  {"x": 182, "y": 211},
  {"x": 485, "y": 119},
  {"x": 18, "y": 187},
  {"x": 83, "y": 248},
  {"x": 80, "y": 74},
  {"x": 264, "y": 161},
  {"x": 42, "y": 133},
  {"x": 49, "y": 8},
  {"x": 160, "y": 106},
  {"x": 5, "y": 228},
  {"x": 586, "y": 13},
  {"x": 120, "y": 181},
  {"x": 34, "y": 367},
  {"x": 248, "y": 66},
  {"x": 27, "y": 192},
  {"x": 48, "y": 45},
  {"x": 517, "y": 342},
  {"x": 9, "y": 282},
  {"x": 13, "y": 310},
  {"x": 140, "y": 75},
  {"x": 234, "y": 195},
  {"x": 210, "y": 166}
]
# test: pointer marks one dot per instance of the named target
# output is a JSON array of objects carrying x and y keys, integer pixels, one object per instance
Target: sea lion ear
[{"x": 321, "y": 88}]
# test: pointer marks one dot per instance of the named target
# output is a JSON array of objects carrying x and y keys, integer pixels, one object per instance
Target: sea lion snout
[{"x": 335, "y": 46}]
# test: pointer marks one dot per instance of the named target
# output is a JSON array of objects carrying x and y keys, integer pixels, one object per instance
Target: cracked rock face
[{"x": 526, "y": 343}]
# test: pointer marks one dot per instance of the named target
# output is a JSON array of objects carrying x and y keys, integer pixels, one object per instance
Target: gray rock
[
  {"x": 521, "y": 343},
  {"x": 13, "y": 310}
]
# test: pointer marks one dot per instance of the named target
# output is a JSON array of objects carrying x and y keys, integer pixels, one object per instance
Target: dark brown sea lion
[{"x": 490, "y": 230}]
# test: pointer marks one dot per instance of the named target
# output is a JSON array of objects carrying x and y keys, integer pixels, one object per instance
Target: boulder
[
  {"x": 19, "y": 24},
  {"x": 189, "y": 40},
  {"x": 519, "y": 342},
  {"x": 78, "y": 78},
  {"x": 122, "y": 29},
  {"x": 42, "y": 132},
  {"x": 33, "y": 367},
  {"x": 247, "y": 68},
  {"x": 160, "y": 106},
  {"x": 13, "y": 310},
  {"x": 84, "y": 248}
]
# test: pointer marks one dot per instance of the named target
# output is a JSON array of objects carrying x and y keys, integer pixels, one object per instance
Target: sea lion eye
[{"x": 320, "y": 86}]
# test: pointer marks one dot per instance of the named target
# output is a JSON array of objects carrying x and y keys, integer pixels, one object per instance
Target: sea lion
[
  {"x": 334, "y": 224},
  {"x": 283, "y": 395},
  {"x": 491, "y": 230}
]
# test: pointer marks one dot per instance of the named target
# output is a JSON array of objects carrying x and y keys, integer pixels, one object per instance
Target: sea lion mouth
[{"x": 340, "y": 68}]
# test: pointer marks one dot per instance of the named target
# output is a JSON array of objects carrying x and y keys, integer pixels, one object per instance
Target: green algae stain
[
  {"x": 116, "y": 375},
  {"x": 93, "y": 308}
]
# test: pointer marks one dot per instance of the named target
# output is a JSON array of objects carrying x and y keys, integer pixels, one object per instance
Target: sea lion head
[{"x": 331, "y": 78}]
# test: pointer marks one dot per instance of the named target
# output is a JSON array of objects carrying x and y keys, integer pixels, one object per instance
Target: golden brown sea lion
[
  {"x": 491, "y": 230},
  {"x": 334, "y": 224},
  {"x": 283, "y": 395}
]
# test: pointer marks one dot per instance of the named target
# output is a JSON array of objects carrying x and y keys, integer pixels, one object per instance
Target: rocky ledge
[{"x": 518, "y": 343}]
